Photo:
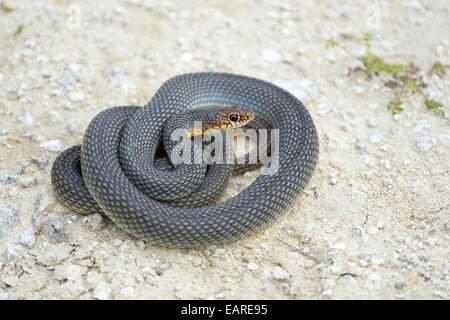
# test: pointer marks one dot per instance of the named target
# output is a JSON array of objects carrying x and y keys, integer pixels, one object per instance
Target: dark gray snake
[{"x": 93, "y": 178}]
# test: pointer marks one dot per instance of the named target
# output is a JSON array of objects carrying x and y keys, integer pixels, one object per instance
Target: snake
[{"x": 109, "y": 170}]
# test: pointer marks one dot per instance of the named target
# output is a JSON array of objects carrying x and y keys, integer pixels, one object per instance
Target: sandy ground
[{"x": 374, "y": 221}]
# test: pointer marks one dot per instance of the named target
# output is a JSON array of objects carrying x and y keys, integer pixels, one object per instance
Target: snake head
[
  {"x": 232, "y": 117},
  {"x": 222, "y": 118}
]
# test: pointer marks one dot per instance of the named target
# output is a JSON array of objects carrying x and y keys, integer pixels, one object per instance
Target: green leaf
[
  {"x": 331, "y": 44},
  {"x": 410, "y": 82},
  {"x": 368, "y": 36},
  {"x": 20, "y": 28}
]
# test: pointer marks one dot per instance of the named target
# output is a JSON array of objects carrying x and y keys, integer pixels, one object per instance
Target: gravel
[
  {"x": 371, "y": 224},
  {"x": 40, "y": 161},
  {"x": 27, "y": 238},
  {"x": 8, "y": 218},
  {"x": 102, "y": 291}
]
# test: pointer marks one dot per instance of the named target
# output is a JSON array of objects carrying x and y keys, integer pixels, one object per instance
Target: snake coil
[{"x": 101, "y": 183}]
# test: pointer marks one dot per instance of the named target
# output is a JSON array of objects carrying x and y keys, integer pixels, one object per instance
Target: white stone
[
  {"x": 26, "y": 119},
  {"x": 279, "y": 273},
  {"x": 252, "y": 266},
  {"x": 271, "y": 55},
  {"x": 27, "y": 181},
  {"x": 76, "y": 96},
  {"x": 422, "y": 127},
  {"x": 102, "y": 291},
  {"x": 425, "y": 144},
  {"x": 52, "y": 145},
  {"x": 375, "y": 137}
]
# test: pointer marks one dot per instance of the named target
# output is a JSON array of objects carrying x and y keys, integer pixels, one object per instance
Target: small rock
[
  {"x": 28, "y": 239},
  {"x": 76, "y": 96},
  {"x": 433, "y": 93},
  {"x": 444, "y": 138},
  {"x": 371, "y": 123},
  {"x": 332, "y": 179},
  {"x": 7, "y": 178},
  {"x": 10, "y": 253},
  {"x": 361, "y": 148},
  {"x": 52, "y": 145},
  {"x": 68, "y": 271},
  {"x": 4, "y": 127},
  {"x": 422, "y": 127},
  {"x": 40, "y": 161},
  {"x": 68, "y": 79},
  {"x": 271, "y": 55},
  {"x": 425, "y": 144},
  {"x": 252, "y": 266},
  {"x": 375, "y": 137},
  {"x": 42, "y": 200},
  {"x": 8, "y": 217},
  {"x": 440, "y": 50},
  {"x": 73, "y": 67},
  {"x": 27, "y": 181},
  {"x": 102, "y": 291},
  {"x": 339, "y": 245},
  {"x": 26, "y": 119},
  {"x": 9, "y": 5},
  {"x": 19, "y": 169},
  {"x": 94, "y": 222},
  {"x": 52, "y": 254},
  {"x": 279, "y": 273},
  {"x": 358, "y": 88},
  {"x": 54, "y": 229}
]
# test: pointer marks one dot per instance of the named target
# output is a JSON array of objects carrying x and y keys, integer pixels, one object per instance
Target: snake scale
[{"x": 121, "y": 137}]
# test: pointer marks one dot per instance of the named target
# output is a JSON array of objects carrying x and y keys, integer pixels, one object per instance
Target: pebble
[
  {"x": 425, "y": 144},
  {"x": 4, "y": 127},
  {"x": 422, "y": 127},
  {"x": 68, "y": 271},
  {"x": 26, "y": 119},
  {"x": 52, "y": 145},
  {"x": 19, "y": 169},
  {"x": 94, "y": 222},
  {"x": 68, "y": 79},
  {"x": 9, "y": 5},
  {"x": 42, "y": 200},
  {"x": 27, "y": 238},
  {"x": 375, "y": 137},
  {"x": 279, "y": 273},
  {"x": 8, "y": 218},
  {"x": 252, "y": 266},
  {"x": 361, "y": 148},
  {"x": 371, "y": 123},
  {"x": 7, "y": 178},
  {"x": 27, "y": 181},
  {"x": 76, "y": 96},
  {"x": 444, "y": 138},
  {"x": 332, "y": 179},
  {"x": 102, "y": 291},
  {"x": 358, "y": 88},
  {"x": 40, "y": 161},
  {"x": 10, "y": 253},
  {"x": 271, "y": 55}
]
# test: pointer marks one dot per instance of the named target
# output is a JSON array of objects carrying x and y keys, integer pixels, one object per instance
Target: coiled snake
[{"x": 119, "y": 146}]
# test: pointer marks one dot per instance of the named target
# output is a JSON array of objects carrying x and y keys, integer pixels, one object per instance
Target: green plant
[{"x": 402, "y": 76}]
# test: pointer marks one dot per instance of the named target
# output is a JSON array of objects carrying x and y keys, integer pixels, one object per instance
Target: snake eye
[{"x": 233, "y": 117}]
